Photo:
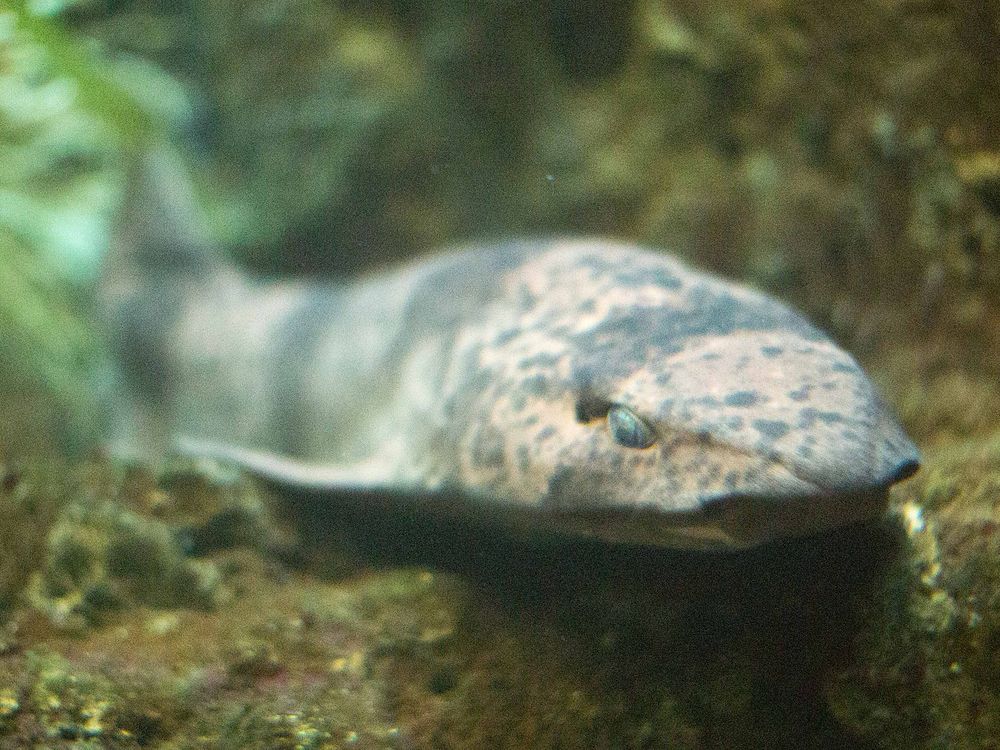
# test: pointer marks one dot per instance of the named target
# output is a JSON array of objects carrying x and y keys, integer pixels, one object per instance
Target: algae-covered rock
[
  {"x": 425, "y": 634},
  {"x": 438, "y": 635},
  {"x": 31, "y": 496},
  {"x": 52, "y": 701},
  {"x": 101, "y": 556},
  {"x": 925, "y": 675},
  {"x": 124, "y": 537}
]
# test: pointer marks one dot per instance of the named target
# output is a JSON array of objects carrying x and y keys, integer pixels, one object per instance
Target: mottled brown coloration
[{"x": 488, "y": 373}]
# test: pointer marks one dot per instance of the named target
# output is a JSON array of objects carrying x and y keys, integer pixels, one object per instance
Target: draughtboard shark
[{"x": 586, "y": 386}]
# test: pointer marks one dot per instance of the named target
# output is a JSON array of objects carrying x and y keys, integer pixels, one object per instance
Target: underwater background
[{"x": 844, "y": 157}]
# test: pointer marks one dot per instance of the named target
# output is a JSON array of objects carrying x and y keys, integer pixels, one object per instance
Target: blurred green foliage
[{"x": 66, "y": 116}]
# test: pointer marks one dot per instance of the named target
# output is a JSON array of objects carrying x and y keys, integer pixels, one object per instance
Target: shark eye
[{"x": 627, "y": 429}]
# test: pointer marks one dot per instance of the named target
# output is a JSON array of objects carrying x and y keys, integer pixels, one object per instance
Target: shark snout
[{"x": 858, "y": 458}]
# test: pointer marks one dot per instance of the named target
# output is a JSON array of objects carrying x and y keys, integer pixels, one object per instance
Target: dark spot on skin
[
  {"x": 771, "y": 428},
  {"x": 742, "y": 398},
  {"x": 539, "y": 361},
  {"x": 731, "y": 479},
  {"x": 843, "y": 367},
  {"x": 772, "y": 351},
  {"x": 584, "y": 378},
  {"x": 587, "y": 306},
  {"x": 703, "y": 438},
  {"x": 531, "y": 421},
  {"x": 809, "y": 416},
  {"x": 627, "y": 334},
  {"x": 523, "y": 458},
  {"x": 707, "y": 401},
  {"x": 711, "y": 356},
  {"x": 663, "y": 378},
  {"x": 518, "y": 401},
  {"x": 804, "y": 451},
  {"x": 525, "y": 299},
  {"x": 505, "y": 336},
  {"x": 567, "y": 488},
  {"x": 480, "y": 379},
  {"x": 641, "y": 276},
  {"x": 595, "y": 264},
  {"x": 735, "y": 423},
  {"x": 828, "y": 386},
  {"x": 545, "y": 433},
  {"x": 487, "y": 447},
  {"x": 536, "y": 385},
  {"x": 800, "y": 394}
]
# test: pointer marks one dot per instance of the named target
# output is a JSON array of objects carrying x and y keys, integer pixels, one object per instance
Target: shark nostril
[{"x": 906, "y": 469}]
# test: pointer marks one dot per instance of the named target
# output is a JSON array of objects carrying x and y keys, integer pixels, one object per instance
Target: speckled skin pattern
[{"x": 487, "y": 374}]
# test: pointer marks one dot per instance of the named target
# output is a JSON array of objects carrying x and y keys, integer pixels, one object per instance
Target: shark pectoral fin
[{"x": 286, "y": 471}]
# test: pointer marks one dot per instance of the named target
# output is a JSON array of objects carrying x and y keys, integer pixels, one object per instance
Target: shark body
[{"x": 586, "y": 386}]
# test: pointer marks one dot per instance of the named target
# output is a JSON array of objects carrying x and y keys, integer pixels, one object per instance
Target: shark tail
[
  {"x": 159, "y": 258},
  {"x": 159, "y": 229}
]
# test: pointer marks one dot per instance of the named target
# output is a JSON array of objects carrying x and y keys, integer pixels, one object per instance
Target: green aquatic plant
[{"x": 67, "y": 115}]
